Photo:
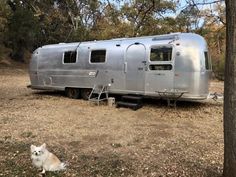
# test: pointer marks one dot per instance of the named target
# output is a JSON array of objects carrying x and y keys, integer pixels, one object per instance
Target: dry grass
[{"x": 104, "y": 141}]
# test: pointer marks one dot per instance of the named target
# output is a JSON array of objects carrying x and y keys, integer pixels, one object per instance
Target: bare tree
[{"x": 230, "y": 92}]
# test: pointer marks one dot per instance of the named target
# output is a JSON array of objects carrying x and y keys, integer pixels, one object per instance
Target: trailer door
[
  {"x": 160, "y": 73},
  {"x": 134, "y": 67}
]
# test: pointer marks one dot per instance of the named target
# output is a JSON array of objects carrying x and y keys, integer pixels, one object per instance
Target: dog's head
[{"x": 38, "y": 150}]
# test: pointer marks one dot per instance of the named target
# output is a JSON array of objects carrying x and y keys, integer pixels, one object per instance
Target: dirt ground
[{"x": 105, "y": 141}]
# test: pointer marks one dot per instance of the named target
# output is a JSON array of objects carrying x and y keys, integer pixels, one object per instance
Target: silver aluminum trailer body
[{"x": 143, "y": 65}]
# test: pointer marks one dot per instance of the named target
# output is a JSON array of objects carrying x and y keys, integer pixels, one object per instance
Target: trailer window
[
  {"x": 207, "y": 61},
  {"x": 160, "y": 67},
  {"x": 161, "y": 54},
  {"x": 70, "y": 57},
  {"x": 98, "y": 56}
]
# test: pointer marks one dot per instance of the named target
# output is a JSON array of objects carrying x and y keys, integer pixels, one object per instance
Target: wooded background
[{"x": 28, "y": 24}]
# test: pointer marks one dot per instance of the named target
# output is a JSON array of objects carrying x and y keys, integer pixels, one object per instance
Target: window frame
[
  {"x": 90, "y": 54},
  {"x": 63, "y": 57}
]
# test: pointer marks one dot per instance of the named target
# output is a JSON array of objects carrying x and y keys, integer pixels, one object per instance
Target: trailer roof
[{"x": 171, "y": 36}]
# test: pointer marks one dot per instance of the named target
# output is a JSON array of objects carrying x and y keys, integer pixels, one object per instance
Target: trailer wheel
[
  {"x": 85, "y": 93},
  {"x": 73, "y": 93}
]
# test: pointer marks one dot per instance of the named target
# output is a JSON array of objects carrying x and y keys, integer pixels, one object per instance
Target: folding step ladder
[{"x": 99, "y": 93}]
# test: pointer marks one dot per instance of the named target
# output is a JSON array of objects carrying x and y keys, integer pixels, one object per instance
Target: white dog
[{"x": 42, "y": 158}]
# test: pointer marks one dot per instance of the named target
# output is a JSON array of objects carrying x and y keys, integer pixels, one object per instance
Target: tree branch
[
  {"x": 207, "y": 3},
  {"x": 145, "y": 15}
]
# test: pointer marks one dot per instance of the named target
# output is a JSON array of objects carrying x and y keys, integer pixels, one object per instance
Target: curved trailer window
[
  {"x": 160, "y": 67},
  {"x": 69, "y": 57},
  {"x": 98, "y": 56},
  {"x": 161, "y": 53},
  {"x": 207, "y": 61}
]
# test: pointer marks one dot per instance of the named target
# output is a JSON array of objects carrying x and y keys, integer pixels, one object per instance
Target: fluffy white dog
[{"x": 42, "y": 158}]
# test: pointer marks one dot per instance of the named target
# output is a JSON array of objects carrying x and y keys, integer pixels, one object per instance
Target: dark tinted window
[
  {"x": 161, "y": 54},
  {"x": 207, "y": 61},
  {"x": 160, "y": 67},
  {"x": 98, "y": 56},
  {"x": 70, "y": 57}
]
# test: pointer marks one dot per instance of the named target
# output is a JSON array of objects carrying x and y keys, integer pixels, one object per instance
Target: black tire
[
  {"x": 73, "y": 93},
  {"x": 85, "y": 93}
]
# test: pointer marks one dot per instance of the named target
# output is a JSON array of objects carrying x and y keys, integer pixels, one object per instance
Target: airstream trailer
[{"x": 151, "y": 66}]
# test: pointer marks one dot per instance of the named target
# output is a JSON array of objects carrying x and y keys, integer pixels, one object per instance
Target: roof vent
[{"x": 169, "y": 37}]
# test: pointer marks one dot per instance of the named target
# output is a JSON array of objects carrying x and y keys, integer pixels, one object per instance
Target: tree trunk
[{"x": 230, "y": 92}]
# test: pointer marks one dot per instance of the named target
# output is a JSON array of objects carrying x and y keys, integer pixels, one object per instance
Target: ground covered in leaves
[{"x": 103, "y": 141}]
